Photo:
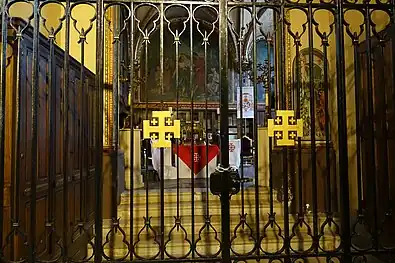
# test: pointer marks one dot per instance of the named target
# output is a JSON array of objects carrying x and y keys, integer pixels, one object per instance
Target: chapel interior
[{"x": 181, "y": 75}]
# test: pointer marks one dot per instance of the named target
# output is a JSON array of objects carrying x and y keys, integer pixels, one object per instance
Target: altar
[
  {"x": 185, "y": 161},
  {"x": 203, "y": 159}
]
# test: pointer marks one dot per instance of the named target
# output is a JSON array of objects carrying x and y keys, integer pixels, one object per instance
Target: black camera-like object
[{"x": 225, "y": 181}]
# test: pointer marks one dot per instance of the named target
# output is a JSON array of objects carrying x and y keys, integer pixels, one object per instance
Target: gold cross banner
[
  {"x": 161, "y": 129},
  {"x": 285, "y": 128}
]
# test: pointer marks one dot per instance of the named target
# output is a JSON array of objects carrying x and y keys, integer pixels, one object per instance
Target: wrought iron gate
[{"x": 277, "y": 119}]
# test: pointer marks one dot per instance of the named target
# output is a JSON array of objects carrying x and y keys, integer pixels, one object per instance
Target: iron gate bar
[
  {"x": 371, "y": 128},
  {"x": 342, "y": 128},
  {"x": 49, "y": 231},
  {"x": 313, "y": 139},
  {"x": 325, "y": 44},
  {"x": 193, "y": 238},
  {"x": 206, "y": 43},
  {"x": 115, "y": 129},
  {"x": 52, "y": 159},
  {"x": 283, "y": 105},
  {"x": 65, "y": 127},
  {"x": 3, "y": 72},
  {"x": 255, "y": 124},
  {"x": 382, "y": 162},
  {"x": 297, "y": 44},
  {"x": 16, "y": 187},
  {"x": 34, "y": 172},
  {"x": 99, "y": 83},
  {"x": 224, "y": 126},
  {"x": 162, "y": 155},
  {"x": 131, "y": 138},
  {"x": 357, "y": 70}
]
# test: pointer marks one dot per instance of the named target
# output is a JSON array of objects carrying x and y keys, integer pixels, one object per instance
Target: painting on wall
[
  {"x": 319, "y": 93},
  {"x": 187, "y": 89},
  {"x": 262, "y": 60}
]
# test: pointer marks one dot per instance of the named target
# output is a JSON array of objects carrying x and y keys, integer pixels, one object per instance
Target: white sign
[
  {"x": 234, "y": 152},
  {"x": 246, "y": 104}
]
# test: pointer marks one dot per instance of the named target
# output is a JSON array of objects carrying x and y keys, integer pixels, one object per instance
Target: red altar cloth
[{"x": 200, "y": 157}]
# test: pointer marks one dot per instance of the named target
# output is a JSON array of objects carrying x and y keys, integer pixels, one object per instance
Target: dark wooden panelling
[
  {"x": 307, "y": 181},
  {"x": 80, "y": 188}
]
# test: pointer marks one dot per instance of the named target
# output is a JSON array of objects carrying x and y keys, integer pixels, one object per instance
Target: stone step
[
  {"x": 199, "y": 210},
  {"x": 184, "y": 203},
  {"x": 140, "y": 197}
]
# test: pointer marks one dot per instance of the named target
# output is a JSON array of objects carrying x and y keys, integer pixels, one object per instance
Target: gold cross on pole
[
  {"x": 161, "y": 129},
  {"x": 285, "y": 128}
]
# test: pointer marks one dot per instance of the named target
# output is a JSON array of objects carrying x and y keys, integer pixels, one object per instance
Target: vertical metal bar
[
  {"x": 192, "y": 133},
  {"x": 34, "y": 126},
  {"x": 146, "y": 117},
  {"x": 372, "y": 178},
  {"x": 3, "y": 72},
  {"x": 271, "y": 201},
  {"x": 383, "y": 165},
  {"x": 358, "y": 86},
  {"x": 299, "y": 147},
  {"x": 17, "y": 148},
  {"x": 52, "y": 140},
  {"x": 87, "y": 137},
  {"x": 162, "y": 155},
  {"x": 277, "y": 61},
  {"x": 325, "y": 46},
  {"x": 342, "y": 133},
  {"x": 276, "y": 52},
  {"x": 132, "y": 142},
  {"x": 65, "y": 168},
  {"x": 283, "y": 105},
  {"x": 205, "y": 43},
  {"x": 312, "y": 134},
  {"x": 99, "y": 122},
  {"x": 177, "y": 141},
  {"x": 224, "y": 125},
  {"x": 282, "y": 56},
  {"x": 392, "y": 34},
  {"x": 146, "y": 182},
  {"x": 269, "y": 41},
  {"x": 240, "y": 98},
  {"x": 83, "y": 162},
  {"x": 255, "y": 124},
  {"x": 115, "y": 110}
]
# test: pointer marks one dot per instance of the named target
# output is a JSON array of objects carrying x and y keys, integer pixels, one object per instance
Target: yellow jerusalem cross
[
  {"x": 161, "y": 129},
  {"x": 285, "y": 128}
]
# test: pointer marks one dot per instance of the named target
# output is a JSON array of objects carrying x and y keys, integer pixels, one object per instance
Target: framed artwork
[
  {"x": 319, "y": 93},
  {"x": 185, "y": 93}
]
